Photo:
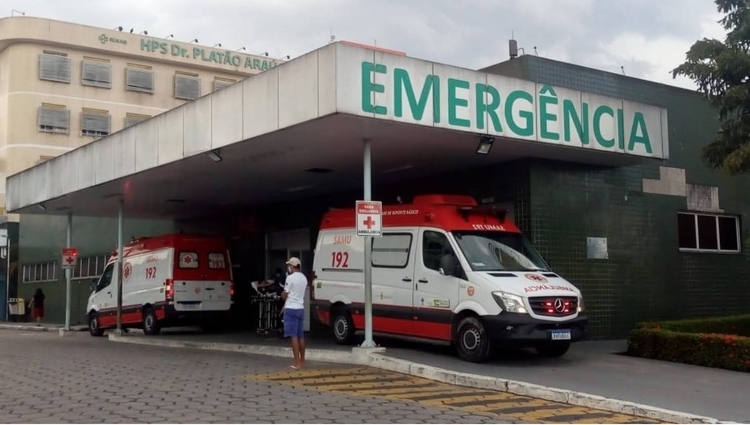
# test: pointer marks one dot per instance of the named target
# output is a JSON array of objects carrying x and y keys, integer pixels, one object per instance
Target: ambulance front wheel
[
  {"x": 472, "y": 342},
  {"x": 94, "y": 328},
  {"x": 150, "y": 324},
  {"x": 343, "y": 327}
]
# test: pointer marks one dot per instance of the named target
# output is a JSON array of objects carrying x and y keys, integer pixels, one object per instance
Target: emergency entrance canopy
[{"x": 297, "y": 129}]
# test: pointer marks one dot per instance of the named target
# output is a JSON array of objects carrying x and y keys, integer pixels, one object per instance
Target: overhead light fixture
[
  {"x": 397, "y": 169},
  {"x": 214, "y": 155},
  {"x": 317, "y": 170},
  {"x": 298, "y": 188},
  {"x": 485, "y": 144}
]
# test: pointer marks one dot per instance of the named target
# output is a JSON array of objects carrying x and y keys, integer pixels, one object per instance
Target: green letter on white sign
[
  {"x": 402, "y": 82},
  {"x": 368, "y": 88}
]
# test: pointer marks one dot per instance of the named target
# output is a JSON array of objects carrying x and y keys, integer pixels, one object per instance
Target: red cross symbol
[
  {"x": 69, "y": 260},
  {"x": 369, "y": 222}
]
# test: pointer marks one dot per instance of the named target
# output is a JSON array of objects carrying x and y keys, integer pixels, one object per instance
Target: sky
[{"x": 645, "y": 38}]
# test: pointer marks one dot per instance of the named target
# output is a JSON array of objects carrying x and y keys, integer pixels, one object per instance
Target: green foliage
[
  {"x": 729, "y": 325},
  {"x": 711, "y": 350},
  {"x": 722, "y": 72},
  {"x": 721, "y": 342}
]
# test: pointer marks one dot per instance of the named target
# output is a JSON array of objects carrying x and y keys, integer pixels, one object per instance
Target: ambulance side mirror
[
  {"x": 93, "y": 284},
  {"x": 449, "y": 265}
]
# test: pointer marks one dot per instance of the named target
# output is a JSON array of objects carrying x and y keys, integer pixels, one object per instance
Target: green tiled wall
[
  {"x": 645, "y": 277},
  {"x": 42, "y": 238}
]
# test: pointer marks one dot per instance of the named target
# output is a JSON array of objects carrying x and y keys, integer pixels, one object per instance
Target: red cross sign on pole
[
  {"x": 369, "y": 218},
  {"x": 69, "y": 257}
]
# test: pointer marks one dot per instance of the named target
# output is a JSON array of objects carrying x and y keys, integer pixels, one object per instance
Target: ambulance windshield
[{"x": 492, "y": 251}]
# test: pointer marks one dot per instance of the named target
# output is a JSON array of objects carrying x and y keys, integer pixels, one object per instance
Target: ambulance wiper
[{"x": 534, "y": 269}]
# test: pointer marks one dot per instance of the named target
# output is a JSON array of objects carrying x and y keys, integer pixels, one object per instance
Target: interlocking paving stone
[{"x": 81, "y": 379}]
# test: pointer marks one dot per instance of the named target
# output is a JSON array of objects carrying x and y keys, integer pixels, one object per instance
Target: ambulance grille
[{"x": 551, "y": 307}]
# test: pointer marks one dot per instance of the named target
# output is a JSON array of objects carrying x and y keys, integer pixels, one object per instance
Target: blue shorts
[{"x": 294, "y": 323}]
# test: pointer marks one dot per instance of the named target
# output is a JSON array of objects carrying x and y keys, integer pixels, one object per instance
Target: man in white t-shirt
[{"x": 294, "y": 310}]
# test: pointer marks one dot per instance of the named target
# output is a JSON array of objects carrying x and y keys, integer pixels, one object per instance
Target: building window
[
  {"x": 391, "y": 250},
  {"x": 133, "y": 119},
  {"x": 96, "y": 73},
  {"x": 187, "y": 86},
  {"x": 54, "y": 66},
  {"x": 39, "y": 272},
  {"x": 220, "y": 83},
  {"x": 53, "y": 118},
  {"x": 139, "y": 78},
  {"x": 95, "y": 122},
  {"x": 90, "y": 267},
  {"x": 708, "y": 232}
]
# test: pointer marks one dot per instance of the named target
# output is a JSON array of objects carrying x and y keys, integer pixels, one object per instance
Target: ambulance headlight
[
  {"x": 509, "y": 302},
  {"x": 580, "y": 303}
]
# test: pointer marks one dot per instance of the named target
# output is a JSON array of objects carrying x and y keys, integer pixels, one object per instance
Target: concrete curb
[
  {"x": 33, "y": 328},
  {"x": 311, "y": 354},
  {"x": 375, "y": 358}
]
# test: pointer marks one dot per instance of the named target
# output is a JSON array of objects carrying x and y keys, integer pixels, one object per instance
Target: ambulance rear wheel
[
  {"x": 472, "y": 342},
  {"x": 150, "y": 324},
  {"x": 94, "y": 327},
  {"x": 343, "y": 327}
]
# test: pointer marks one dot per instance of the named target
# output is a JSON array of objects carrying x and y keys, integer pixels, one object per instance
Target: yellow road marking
[{"x": 371, "y": 382}]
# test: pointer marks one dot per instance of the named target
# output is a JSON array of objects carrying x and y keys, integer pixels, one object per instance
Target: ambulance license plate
[{"x": 560, "y": 335}]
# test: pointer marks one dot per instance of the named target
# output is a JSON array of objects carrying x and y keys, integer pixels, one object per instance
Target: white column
[
  {"x": 119, "y": 268},
  {"x": 368, "y": 343},
  {"x": 68, "y": 273}
]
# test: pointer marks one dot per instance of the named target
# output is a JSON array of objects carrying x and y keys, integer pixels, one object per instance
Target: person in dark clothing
[{"x": 37, "y": 306}]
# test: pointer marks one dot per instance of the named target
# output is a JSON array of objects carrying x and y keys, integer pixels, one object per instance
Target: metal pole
[
  {"x": 68, "y": 273},
  {"x": 368, "y": 343},
  {"x": 119, "y": 268},
  {"x": 7, "y": 276}
]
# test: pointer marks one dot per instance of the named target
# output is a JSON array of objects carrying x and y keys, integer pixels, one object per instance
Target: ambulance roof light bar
[
  {"x": 466, "y": 210},
  {"x": 485, "y": 144}
]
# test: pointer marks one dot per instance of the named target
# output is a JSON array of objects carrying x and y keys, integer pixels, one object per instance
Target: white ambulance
[
  {"x": 170, "y": 280},
  {"x": 445, "y": 270}
]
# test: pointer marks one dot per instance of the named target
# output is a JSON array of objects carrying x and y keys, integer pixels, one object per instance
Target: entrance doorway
[{"x": 282, "y": 245}]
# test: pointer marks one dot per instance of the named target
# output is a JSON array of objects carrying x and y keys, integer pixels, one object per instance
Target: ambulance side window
[
  {"x": 391, "y": 250},
  {"x": 106, "y": 278},
  {"x": 434, "y": 246}
]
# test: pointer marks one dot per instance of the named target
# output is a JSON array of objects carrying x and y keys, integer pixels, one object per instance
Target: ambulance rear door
[{"x": 202, "y": 276}]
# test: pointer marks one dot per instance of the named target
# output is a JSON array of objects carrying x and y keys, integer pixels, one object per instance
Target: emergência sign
[{"x": 509, "y": 107}]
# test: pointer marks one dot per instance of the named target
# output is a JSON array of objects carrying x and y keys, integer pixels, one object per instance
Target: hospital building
[{"x": 601, "y": 171}]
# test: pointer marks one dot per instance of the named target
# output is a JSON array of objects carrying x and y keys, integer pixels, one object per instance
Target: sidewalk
[
  {"x": 43, "y": 327},
  {"x": 591, "y": 367}
]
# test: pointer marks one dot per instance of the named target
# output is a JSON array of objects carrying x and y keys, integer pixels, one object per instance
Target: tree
[{"x": 722, "y": 72}]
